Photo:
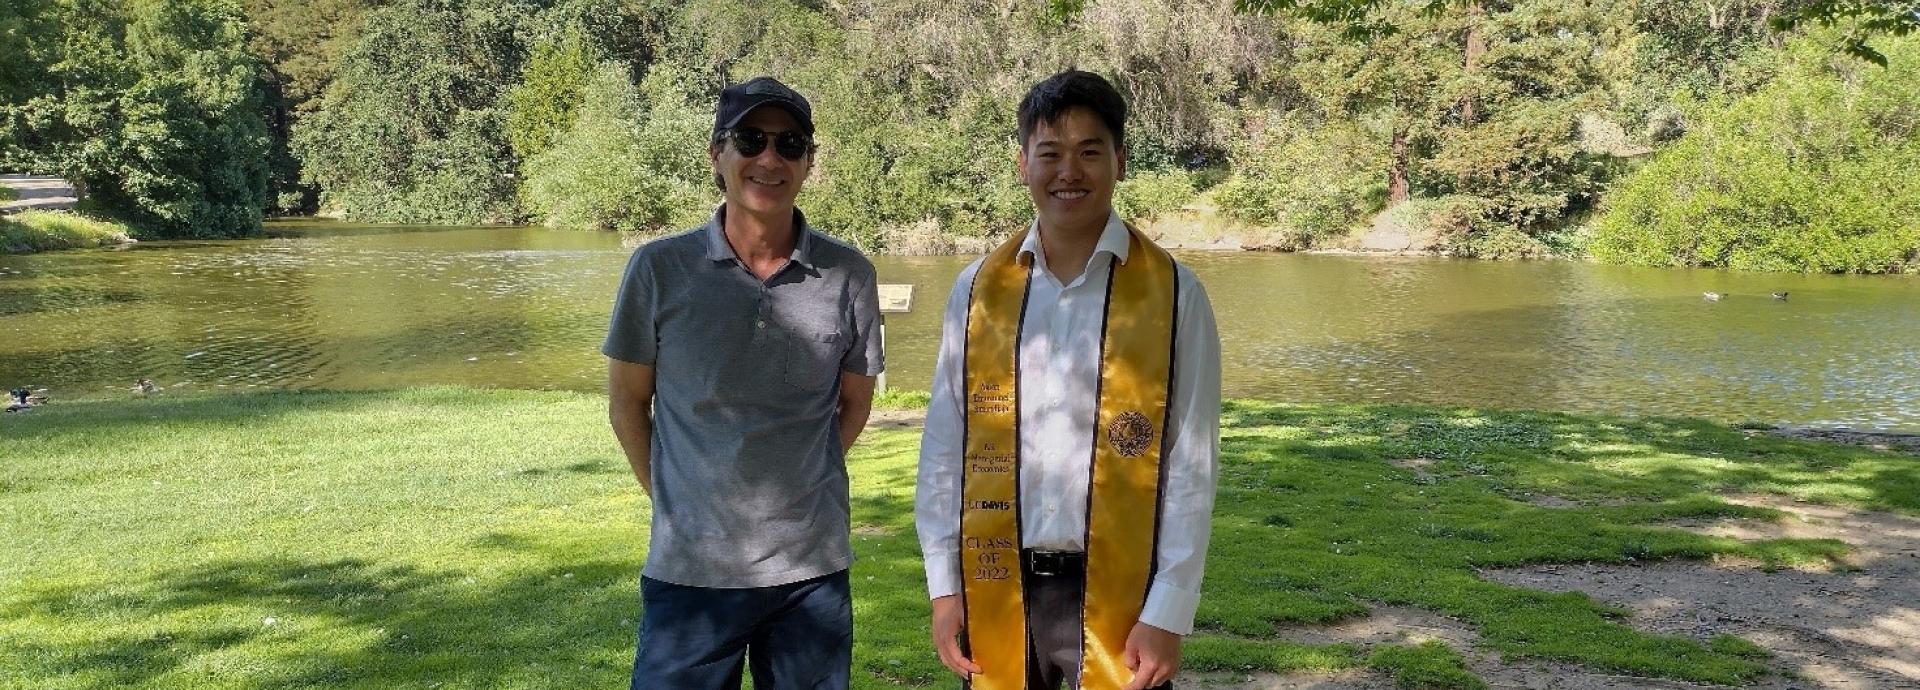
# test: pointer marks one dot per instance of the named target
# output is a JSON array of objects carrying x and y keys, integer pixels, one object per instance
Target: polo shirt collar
[
  {"x": 719, "y": 250},
  {"x": 1114, "y": 240}
]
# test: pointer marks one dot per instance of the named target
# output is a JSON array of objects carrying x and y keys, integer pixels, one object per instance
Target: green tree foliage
[
  {"x": 413, "y": 127},
  {"x": 151, "y": 108},
  {"x": 628, "y": 162},
  {"x": 1812, "y": 172},
  {"x": 1497, "y": 124},
  {"x": 1482, "y": 107},
  {"x": 300, "y": 44},
  {"x": 1146, "y": 195},
  {"x": 541, "y": 107},
  {"x": 30, "y": 40},
  {"x": 1318, "y": 179},
  {"x": 1861, "y": 19}
]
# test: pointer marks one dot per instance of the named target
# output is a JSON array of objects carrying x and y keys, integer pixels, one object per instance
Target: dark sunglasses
[{"x": 750, "y": 142}]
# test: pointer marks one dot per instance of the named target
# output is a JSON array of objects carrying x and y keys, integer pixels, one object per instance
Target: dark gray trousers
[{"x": 1054, "y": 627}]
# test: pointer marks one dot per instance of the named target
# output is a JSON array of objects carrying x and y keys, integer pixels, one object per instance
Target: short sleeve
[
  {"x": 632, "y": 336},
  {"x": 864, "y": 356}
]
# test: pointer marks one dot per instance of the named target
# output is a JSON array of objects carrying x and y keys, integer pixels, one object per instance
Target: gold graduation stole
[{"x": 1123, "y": 511}]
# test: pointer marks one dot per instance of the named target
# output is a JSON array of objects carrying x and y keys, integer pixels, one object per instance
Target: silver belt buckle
[{"x": 1043, "y": 562}]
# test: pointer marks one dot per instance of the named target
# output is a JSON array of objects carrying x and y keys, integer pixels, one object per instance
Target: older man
[{"x": 742, "y": 357}]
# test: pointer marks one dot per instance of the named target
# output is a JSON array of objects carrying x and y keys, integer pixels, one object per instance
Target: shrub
[
  {"x": 1319, "y": 180},
  {"x": 1148, "y": 194},
  {"x": 624, "y": 165},
  {"x": 32, "y": 231},
  {"x": 1813, "y": 172}
]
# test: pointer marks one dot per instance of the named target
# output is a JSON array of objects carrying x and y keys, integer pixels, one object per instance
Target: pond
[{"x": 341, "y": 306}]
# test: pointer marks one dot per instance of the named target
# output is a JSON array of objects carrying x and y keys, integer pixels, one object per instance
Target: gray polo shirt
[{"x": 749, "y": 485}]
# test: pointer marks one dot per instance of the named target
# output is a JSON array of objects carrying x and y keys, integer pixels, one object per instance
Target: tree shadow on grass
[
  {"x": 340, "y": 623},
  {"x": 548, "y": 611}
]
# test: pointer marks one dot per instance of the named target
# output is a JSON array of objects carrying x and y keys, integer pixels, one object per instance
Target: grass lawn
[{"x": 447, "y": 538}]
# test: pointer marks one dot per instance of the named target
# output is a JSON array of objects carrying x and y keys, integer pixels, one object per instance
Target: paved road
[{"x": 37, "y": 192}]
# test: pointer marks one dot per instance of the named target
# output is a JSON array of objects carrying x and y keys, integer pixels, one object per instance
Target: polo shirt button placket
[{"x": 763, "y": 308}]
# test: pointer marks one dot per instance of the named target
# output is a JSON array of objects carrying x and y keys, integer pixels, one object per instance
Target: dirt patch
[
  {"x": 1855, "y": 629},
  {"x": 897, "y": 419},
  {"x": 1552, "y": 502},
  {"x": 1878, "y": 440},
  {"x": 1845, "y": 629},
  {"x": 1399, "y": 625},
  {"x": 1344, "y": 680},
  {"x": 1418, "y": 466}
]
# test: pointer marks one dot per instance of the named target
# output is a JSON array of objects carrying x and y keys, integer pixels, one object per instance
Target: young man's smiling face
[
  {"x": 765, "y": 184},
  {"x": 1070, "y": 166}
]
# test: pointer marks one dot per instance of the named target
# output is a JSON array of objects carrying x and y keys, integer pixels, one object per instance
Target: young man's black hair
[{"x": 1049, "y": 99}]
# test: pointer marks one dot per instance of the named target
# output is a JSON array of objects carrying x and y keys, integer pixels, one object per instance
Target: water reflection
[{"x": 343, "y": 306}]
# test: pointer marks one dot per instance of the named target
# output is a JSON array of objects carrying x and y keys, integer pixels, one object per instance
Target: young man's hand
[
  {"x": 948, "y": 618},
  {"x": 1152, "y": 653}
]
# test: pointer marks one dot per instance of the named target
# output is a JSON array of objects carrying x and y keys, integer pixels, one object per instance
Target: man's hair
[{"x": 1050, "y": 99}]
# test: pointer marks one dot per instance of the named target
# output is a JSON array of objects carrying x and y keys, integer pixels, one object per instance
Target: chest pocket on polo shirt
[{"x": 813, "y": 359}]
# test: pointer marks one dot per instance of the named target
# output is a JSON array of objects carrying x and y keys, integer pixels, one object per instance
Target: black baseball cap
[{"x": 738, "y": 100}]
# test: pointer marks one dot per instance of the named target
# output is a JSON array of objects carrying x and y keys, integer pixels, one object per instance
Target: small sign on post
[{"x": 895, "y": 298}]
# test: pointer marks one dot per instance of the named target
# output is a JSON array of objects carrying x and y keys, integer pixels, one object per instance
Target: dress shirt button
[{"x": 759, "y": 324}]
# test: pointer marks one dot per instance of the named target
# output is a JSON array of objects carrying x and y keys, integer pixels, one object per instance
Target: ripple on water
[{"x": 373, "y": 307}]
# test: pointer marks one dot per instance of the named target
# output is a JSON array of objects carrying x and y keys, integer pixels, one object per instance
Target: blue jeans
[{"x": 797, "y": 636}]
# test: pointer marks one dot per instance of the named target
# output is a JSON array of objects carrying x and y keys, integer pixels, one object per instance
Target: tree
[
  {"x": 413, "y": 128},
  {"x": 541, "y": 107},
  {"x": 1863, "y": 19},
  {"x": 300, "y": 44},
  {"x": 626, "y": 162},
  {"x": 1405, "y": 81},
  {"x": 152, "y": 109}
]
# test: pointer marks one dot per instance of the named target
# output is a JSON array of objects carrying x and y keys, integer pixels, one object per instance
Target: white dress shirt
[{"x": 1059, "y": 376}]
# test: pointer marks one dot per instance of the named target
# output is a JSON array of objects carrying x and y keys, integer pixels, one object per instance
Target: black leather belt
[{"x": 1050, "y": 563}]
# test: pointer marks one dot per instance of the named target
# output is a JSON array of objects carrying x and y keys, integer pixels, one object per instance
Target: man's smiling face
[
  {"x": 765, "y": 183},
  {"x": 1070, "y": 166}
]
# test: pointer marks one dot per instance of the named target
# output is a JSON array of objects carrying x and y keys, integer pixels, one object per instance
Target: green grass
[
  {"x": 493, "y": 539},
  {"x": 8, "y": 193},
  {"x": 39, "y": 231},
  {"x": 1427, "y": 666},
  {"x": 896, "y": 399}
]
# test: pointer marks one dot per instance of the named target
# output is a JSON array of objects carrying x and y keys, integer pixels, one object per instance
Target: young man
[
  {"x": 1067, "y": 470},
  {"x": 742, "y": 357}
]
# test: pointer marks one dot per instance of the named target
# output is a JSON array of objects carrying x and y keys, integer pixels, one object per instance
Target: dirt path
[
  {"x": 1841, "y": 629},
  {"x": 37, "y": 192},
  {"x": 1847, "y": 629},
  {"x": 1405, "y": 626},
  {"x": 897, "y": 419}
]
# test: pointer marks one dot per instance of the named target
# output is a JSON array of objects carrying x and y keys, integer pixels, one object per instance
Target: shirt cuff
[
  {"x": 1170, "y": 608},
  {"x": 943, "y": 574}
]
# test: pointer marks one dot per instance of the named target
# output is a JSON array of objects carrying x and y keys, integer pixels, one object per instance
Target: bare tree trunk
[
  {"x": 1476, "y": 48},
  {"x": 1398, "y": 189}
]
